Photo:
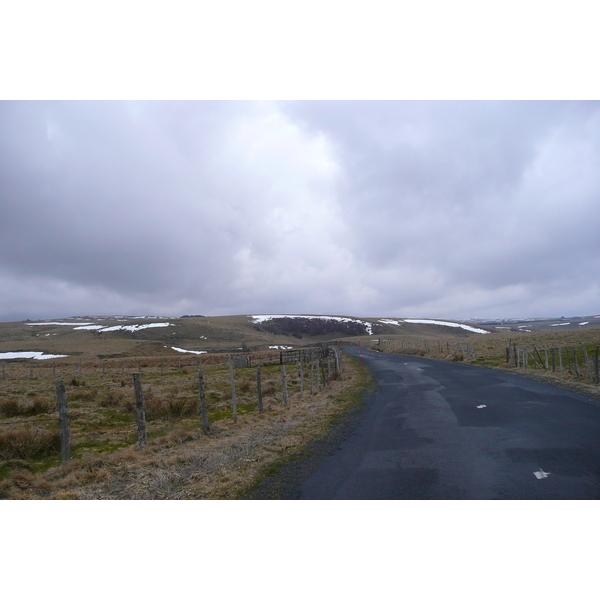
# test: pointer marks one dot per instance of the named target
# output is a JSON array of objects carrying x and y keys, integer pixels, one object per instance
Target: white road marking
[{"x": 541, "y": 474}]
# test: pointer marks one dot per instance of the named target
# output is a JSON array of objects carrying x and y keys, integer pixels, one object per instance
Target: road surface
[{"x": 441, "y": 430}]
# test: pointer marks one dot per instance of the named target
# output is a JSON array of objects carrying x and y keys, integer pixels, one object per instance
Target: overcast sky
[{"x": 376, "y": 208}]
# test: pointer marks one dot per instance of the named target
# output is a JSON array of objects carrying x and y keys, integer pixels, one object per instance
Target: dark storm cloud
[{"x": 393, "y": 208}]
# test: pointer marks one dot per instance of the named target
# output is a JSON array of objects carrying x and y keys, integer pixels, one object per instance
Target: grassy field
[{"x": 180, "y": 461}]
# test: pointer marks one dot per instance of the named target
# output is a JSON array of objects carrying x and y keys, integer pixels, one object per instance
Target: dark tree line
[{"x": 299, "y": 326}]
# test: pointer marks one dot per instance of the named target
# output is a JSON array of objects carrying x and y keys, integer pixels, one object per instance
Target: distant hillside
[{"x": 122, "y": 336}]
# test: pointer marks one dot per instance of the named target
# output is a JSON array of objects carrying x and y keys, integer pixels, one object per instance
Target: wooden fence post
[
  {"x": 318, "y": 369},
  {"x": 587, "y": 363},
  {"x": 596, "y": 365},
  {"x": 539, "y": 357},
  {"x": 302, "y": 377},
  {"x": 284, "y": 386},
  {"x": 233, "y": 398},
  {"x": 53, "y": 369},
  {"x": 31, "y": 371},
  {"x": 312, "y": 377},
  {"x": 3, "y": 371},
  {"x": 63, "y": 420},
  {"x": 140, "y": 411},
  {"x": 203, "y": 408},
  {"x": 560, "y": 364},
  {"x": 259, "y": 388}
]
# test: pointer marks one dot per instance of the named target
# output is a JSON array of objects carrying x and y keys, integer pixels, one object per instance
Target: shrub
[
  {"x": 13, "y": 407},
  {"x": 10, "y": 407},
  {"x": 112, "y": 398},
  {"x": 83, "y": 395},
  {"x": 28, "y": 442},
  {"x": 37, "y": 407},
  {"x": 157, "y": 408},
  {"x": 269, "y": 390}
]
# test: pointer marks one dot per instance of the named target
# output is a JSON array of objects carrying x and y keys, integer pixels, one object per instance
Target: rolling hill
[{"x": 130, "y": 336}]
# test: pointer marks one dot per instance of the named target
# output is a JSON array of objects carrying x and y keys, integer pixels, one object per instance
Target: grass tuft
[
  {"x": 14, "y": 407},
  {"x": 29, "y": 443}
]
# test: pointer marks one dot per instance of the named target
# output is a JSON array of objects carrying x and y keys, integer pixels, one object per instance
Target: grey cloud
[
  {"x": 436, "y": 208},
  {"x": 465, "y": 187}
]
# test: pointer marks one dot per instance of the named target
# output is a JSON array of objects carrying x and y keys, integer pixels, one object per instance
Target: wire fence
[
  {"x": 458, "y": 350},
  {"x": 115, "y": 408},
  {"x": 578, "y": 361}
]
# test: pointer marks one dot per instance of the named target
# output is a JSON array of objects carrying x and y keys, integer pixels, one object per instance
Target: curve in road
[{"x": 440, "y": 430}]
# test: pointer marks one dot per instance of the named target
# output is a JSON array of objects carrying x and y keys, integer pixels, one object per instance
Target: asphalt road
[{"x": 441, "y": 430}]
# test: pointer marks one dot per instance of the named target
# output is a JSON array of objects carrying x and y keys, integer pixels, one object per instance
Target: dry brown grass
[
  {"x": 28, "y": 443},
  {"x": 179, "y": 460}
]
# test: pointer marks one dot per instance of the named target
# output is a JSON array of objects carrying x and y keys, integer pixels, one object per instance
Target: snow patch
[
  {"x": 281, "y": 347},
  {"x": 189, "y": 351},
  {"x": 57, "y": 323},
  {"x": 447, "y": 324},
  {"x": 133, "y": 327},
  {"x": 35, "y": 355},
  {"x": 559, "y": 324},
  {"x": 390, "y": 321},
  {"x": 584, "y": 323}
]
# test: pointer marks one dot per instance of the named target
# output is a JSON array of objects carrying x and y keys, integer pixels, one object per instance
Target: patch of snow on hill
[
  {"x": 57, "y": 323},
  {"x": 447, "y": 324},
  {"x": 584, "y": 323},
  {"x": 189, "y": 351},
  {"x": 262, "y": 318},
  {"x": 35, "y": 355},
  {"x": 559, "y": 324},
  {"x": 281, "y": 347},
  {"x": 390, "y": 321},
  {"x": 133, "y": 327}
]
